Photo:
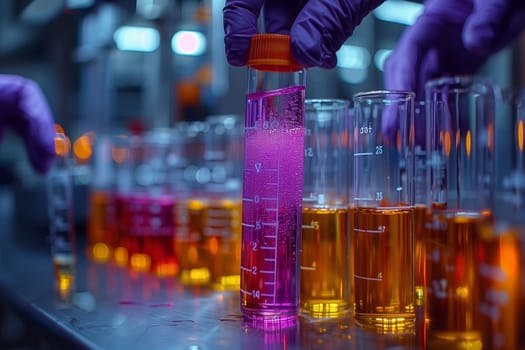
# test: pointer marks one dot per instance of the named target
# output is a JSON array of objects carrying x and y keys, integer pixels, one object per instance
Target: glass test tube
[
  {"x": 383, "y": 213},
  {"x": 191, "y": 208},
  {"x": 148, "y": 211},
  {"x": 460, "y": 138},
  {"x": 500, "y": 249},
  {"x": 101, "y": 236},
  {"x": 120, "y": 153},
  {"x": 325, "y": 286},
  {"x": 421, "y": 186},
  {"x": 222, "y": 217},
  {"x": 61, "y": 219},
  {"x": 273, "y": 180}
]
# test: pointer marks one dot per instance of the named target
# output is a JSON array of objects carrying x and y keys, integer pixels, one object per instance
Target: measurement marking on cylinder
[
  {"x": 368, "y": 231},
  {"x": 364, "y": 199},
  {"x": 269, "y": 198},
  {"x": 266, "y": 295},
  {"x": 270, "y": 236},
  {"x": 268, "y": 248},
  {"x": 269, "y": 283},
  {"x": 247, "y": 199},
  {"x": 277, "y": 237},
  {"x": 271, "y": 209},
  {"x": 308, "y": 227},
  {"x": 268, "y": 259},
  {"x": 246, "y": 269},
  {"x": 267, "y": 272},
  {"x": 308, "y": 268},
  {"x": 248, "y": 225},
  {"x": 364, "y": 154},
  {"x": 368, "y": 278},
  {"x": 274, "y": 224},
  {"x": 246, "y": 292}
]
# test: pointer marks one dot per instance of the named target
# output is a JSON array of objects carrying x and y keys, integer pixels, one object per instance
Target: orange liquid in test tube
[
  {"x": 452, "y": 284},
  {"x": 222, "y": 240},
  {"x": 500, "y": 273},
  {"x": 102, "y": 237}
]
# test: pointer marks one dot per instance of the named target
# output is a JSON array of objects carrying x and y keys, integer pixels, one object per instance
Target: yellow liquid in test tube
[
  {"x": 420, "y": 219},
  {"x": 325, "y": 286},
  {"x": 452, "y": 286},
  {"x": 190, "y": 242},
  {"x": 64, "y": 270},
  {"x": 384, "y": 268},
  {"x": 222, "y": 233}
]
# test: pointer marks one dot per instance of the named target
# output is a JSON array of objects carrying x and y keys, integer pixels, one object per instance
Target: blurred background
[{"x": 132, "y": 65}]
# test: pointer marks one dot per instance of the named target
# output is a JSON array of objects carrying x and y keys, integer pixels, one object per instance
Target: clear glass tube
[
  {"x": 222, "y": 216},
  {"x": 101, "y": 238},
  {"x": 62, "y": 219},
  {"x": 383, "y": 212},
  {"x": 325, "y": 287},
  {"x": 501, "y": 250},
  {"x": 272, "y": 182}
]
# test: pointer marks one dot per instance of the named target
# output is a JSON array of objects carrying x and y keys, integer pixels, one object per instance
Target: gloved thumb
[{"x": 484, "y": 27}]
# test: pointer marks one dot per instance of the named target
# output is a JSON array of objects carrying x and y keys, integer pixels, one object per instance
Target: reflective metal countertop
[{"x": 114, "y": 308}]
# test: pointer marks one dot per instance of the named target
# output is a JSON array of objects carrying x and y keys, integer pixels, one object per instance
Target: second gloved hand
[
  {"x": 24, "y": 109},
  {"x": 317, "y": 28},
  {"x": 452, "y": 37}
]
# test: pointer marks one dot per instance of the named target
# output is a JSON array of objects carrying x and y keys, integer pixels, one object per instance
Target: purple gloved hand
[
  {"x": 24, "y": 109},
  {"x": 317, "y": 28},
  {"x": 452, "y": 37}
]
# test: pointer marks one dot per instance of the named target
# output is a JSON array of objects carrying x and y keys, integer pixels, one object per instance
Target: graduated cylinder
[
  {"x": 383, "y": 211},
  {"x": 325, "y": 265}
]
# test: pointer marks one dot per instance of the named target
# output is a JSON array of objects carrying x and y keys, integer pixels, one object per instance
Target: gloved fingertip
[
  {"x": 42, "y": 155},
  {"x": 236, "y": 50},
  {"x": 236, "y": 60},
  {"x": 478, "y": 39},
  {"x": 308, "y": 51}
]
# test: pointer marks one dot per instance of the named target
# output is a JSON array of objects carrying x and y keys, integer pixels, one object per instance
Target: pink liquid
[
  {"x": 148, "y": 224},
  {"x": 271, "y": 205}
]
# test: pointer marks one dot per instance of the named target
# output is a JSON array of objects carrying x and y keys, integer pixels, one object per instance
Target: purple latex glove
[
  {"x": 24, "y": 109},
  {"x": 317, "y": 28},
  {"x": 452, "y": 37}
]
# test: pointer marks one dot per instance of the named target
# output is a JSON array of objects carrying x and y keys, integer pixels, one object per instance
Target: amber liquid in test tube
[
  {"x": 500, "y": 248},
  {"x": 383, "y": 216},
  {"x": 101, "y": 233},
  {"x": 460, "y": 137},
  {"x": 325, "y": 276},
  {"x": 191, "y": 209}
]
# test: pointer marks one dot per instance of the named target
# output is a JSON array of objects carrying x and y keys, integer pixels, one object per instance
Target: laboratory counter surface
[{"x": 115, "y": 308}]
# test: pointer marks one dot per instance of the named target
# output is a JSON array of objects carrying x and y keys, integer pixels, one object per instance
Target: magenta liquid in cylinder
[
  {"x": 272, "y": 195},
  {"x": 272, "y": 182}
]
